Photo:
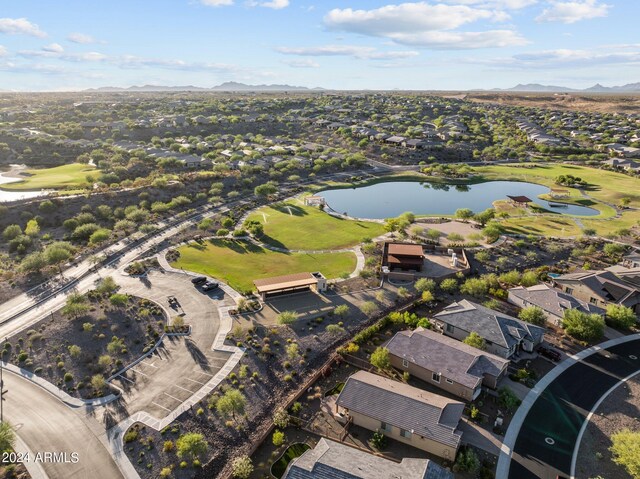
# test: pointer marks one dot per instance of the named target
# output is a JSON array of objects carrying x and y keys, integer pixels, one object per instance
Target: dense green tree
[
  {"x": 231, "y": 404},
  {"x": 533, "y": 315},
  {"x": 380, "y": 358},
  {"x": 191, "y": 445},
  {"x": 626, "y": 450},
  {"x": 620, "y": 316},
  {"x": 583, "y": 326},
  {"x": 475, "y": 340}
]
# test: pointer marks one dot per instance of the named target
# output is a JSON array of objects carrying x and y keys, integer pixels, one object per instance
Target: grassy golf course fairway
[
  {"x": 292, "y": 225},
  {"x": 238, "y": 263},
  {"x": 603, "y": 185},
  {"x": 73, "y": 175}
]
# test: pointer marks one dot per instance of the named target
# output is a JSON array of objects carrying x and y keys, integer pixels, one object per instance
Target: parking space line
[
  {"x": 125, "y": 378},
  {"x": 155, "y": 403},
  {"x": 185, "y": 389},
  {"x": 206, "y": 374},
  {"x": 150, "y": 364},
  {"x": 193, "y": 380},
  {"x": 139, "y": 372},
  {"x": 173, "y": 397}
]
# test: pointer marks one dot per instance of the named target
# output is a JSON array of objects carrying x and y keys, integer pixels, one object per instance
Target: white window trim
[
  {"x": 449, "y": 381},
  {"x": 405, "y": 363}
]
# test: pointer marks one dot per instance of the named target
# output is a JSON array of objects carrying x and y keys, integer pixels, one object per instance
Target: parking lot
[
  {"x": 181, "y": 365},
  {"x": 152, "y": 386}
]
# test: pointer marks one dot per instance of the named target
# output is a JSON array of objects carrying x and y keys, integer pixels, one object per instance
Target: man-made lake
[{"x": 390, "y": 199}]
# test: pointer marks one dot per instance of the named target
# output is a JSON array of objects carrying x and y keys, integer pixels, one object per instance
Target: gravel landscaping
[
  {"x": 69, "y": 351},
  {"x": 618, "y": 411}
]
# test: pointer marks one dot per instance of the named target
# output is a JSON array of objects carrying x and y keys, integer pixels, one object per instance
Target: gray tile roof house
[
  {"x": 552, "y": 301},
  {"x": 333, "y": 460},
  {"x": 395, "y": 403},
  {"x": 603, "y": 287},
  {"x": 463, "y": 368},
  {"x": 502, "y": 333}
]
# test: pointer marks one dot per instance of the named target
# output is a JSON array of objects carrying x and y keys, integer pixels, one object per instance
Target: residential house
[
  {"x": 600, "y": 288},
  {"x": 404, "y": 413},
  {"x": 445, "y": 362},
  {"x": 334, "y": 460},
  {"x": 616, "y": 149},
  {"x": 413, "y": 143},
  {"x": 552, "y": 301},
  {"x": 622, "y": 163},
  {"x": 631, "y": 260},
  {"x": 395, "y": 140},
  {"x": 504, "y": 335}
]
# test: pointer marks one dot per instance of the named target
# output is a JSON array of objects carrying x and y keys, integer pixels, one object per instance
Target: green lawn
[
  {"x": 63, "y": 176},
  {"x": 603, "y": 185},
  {"x": 294, "y": 226},
  {"x": 542, "y": 226},
  {"x": 292, "y": 452},
  {"x": 239, "y": 263}
]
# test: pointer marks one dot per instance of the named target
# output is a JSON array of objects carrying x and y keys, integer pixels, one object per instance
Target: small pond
[{"x": 390, "y": 199}]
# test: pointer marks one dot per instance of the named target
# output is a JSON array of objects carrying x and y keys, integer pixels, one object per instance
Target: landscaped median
[{"x": 238, "y": 262}]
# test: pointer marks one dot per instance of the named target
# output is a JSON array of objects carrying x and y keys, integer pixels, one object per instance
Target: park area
[
  {"x": 65, "y": 176},
  {"x": 292, "y": 225},
  {"x": 238, "y": 263},
  {"x": 602, "y": 185}
]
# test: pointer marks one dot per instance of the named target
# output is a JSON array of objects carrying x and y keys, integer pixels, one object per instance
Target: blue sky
[{"x": 351, "y": 44}]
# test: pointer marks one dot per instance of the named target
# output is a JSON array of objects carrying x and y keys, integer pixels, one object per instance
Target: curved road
[
  {"x": 549, "y": 434},
  {"x": 46, "y": 424}
]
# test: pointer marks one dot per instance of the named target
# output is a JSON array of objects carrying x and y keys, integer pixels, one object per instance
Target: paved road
[
  {"x": 46, "y": 424},
  {"x": 547, "y": 439}
]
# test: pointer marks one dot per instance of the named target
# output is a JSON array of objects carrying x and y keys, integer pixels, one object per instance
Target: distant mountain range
[
  {"x": 227, "y": 86},
  {"x": 597, "y": 88}
]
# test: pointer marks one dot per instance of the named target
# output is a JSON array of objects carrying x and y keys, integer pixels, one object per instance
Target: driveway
[
  {"x": 182, "y": 365},
  {"x": 549, "y": 434},
  {"x": 45, "y": 424}
]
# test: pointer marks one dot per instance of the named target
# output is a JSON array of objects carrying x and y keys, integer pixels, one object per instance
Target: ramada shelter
[
  {"x": 289, "y": 284},
  {"x": 404, "y": 256}
]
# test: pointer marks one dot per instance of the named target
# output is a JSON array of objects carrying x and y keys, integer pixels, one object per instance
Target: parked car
[
  {"x": 549, "y": 353},
  {"x": 209, "y": 286},
  {"x": 199, "y": 279}
]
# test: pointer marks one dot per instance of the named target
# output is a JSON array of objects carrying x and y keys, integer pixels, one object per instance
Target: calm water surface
[{"x": 389, "y": 199}]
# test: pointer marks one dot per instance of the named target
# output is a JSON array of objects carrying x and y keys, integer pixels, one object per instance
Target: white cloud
[
  {"x": 53, "y": 47},
  {"x": 572, "y": 12},
  {"x": 302, "y": 63},
  {"x": 368, "y": 53},
  {"x": 82, "y": 38},
  {"x": 567, "y": 58},
  {"x": 48, "y": 52},
  {"x": 20, "y": 26},
  {"x": 3, "y": 51},
  {"x": 217, "y": 3},
  {"x": 132, "y": 61},
  {"x": 441, "y": 40},
  {"x": 421, "y": 24},
  {"x": 499, "y": 4},
  {"x": 407, "y": 18},
  {"x": 275, "y": 4}
]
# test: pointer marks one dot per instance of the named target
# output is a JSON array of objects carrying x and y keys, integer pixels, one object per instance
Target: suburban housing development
[{"x": 283, "y": 239}]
